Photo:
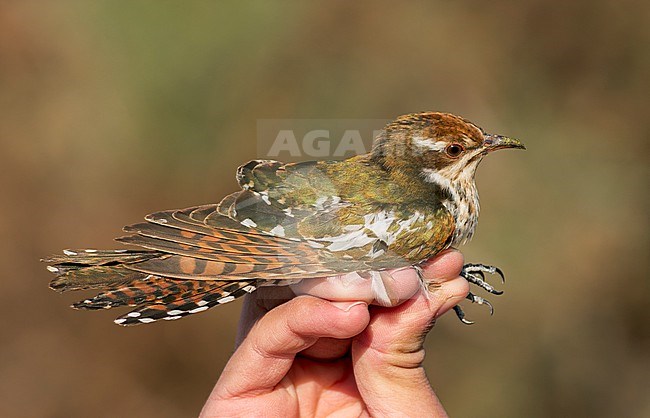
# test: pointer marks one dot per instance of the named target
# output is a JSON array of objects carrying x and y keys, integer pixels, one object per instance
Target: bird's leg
[{"x": 475, "y": 274}]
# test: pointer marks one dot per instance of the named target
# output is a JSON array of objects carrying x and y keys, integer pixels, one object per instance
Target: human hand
[{"x": 314, "y": 357}]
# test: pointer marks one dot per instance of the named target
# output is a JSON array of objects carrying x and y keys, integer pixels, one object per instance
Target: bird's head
[{"x": 437, "y": 145}]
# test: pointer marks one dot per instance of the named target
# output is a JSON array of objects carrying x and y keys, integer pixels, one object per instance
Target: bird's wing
[{"x": 289, "y": 223}]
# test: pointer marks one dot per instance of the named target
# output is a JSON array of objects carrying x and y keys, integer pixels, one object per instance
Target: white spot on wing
[
  {"x": 69, "y": 252},
  {"x": 133, "y": 314},
  {"x": 379, "y": 223},
  {"x": 249, "y": 223},
  {"x": 350, "y": 240},
  {"x": 265, "y": 198},
  {"x": 278, "y": 230},
  {"x": 52, "y": 269},
  {"x": 319, "y": 202},
  {"x": 314, "y": 244}
]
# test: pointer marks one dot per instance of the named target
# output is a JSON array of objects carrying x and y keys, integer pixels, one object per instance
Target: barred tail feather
[
  {"x": 155, "y": 297},
  {"x": 185, "y": 306},
  {"x": 146, "y": 290},
  {"x": 94, "y": 269}
]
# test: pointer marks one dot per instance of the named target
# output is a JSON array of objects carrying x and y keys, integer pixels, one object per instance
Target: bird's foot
[{"x": 475, "y": 274}]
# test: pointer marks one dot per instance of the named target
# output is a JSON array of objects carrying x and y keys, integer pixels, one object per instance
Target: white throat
[{"x": 462, "y": 202}]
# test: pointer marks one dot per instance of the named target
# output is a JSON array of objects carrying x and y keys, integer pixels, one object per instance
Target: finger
[
  {"x": 267, "y": 353},
  {"x": 257, "y": 304},
  {"x": 387, "y": 356},
  {"x": 448, "y": 289},
  {"x": 394, "y": 287},
  {"x": 450, "y": 294},
  {"x": 327, "y": 349},
  {"x": 407, "y": 324},
  {"x": 400, "y": 285},
  {"x": 387, "y": 359},
  {"x": 397, "y": 334},
  {"x": 347, "y": 287},
  {"x": 443, "y": 267},
  {"x": 386, "y": 288}
]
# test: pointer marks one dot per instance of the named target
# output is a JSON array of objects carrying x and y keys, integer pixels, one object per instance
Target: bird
[{"x": 410, "y": 197}]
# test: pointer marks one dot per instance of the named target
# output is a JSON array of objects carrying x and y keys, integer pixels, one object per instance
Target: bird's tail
[{"x": 154, "y": 297}]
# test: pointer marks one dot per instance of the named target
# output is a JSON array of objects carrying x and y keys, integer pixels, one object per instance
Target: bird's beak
[{"x": 495, "y": 142}]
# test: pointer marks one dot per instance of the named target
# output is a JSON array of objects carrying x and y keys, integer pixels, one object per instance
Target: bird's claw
[
  {"x": 475, "y": 274},
  {"x": 481, "y": 301},
  {"x": 461, "y": 315}
]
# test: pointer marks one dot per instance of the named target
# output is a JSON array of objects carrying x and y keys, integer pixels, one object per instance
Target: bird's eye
[{"x": 454, "y": 150}]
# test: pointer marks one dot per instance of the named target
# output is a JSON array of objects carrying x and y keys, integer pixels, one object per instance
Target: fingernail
[{"x": 347, "y": 306}]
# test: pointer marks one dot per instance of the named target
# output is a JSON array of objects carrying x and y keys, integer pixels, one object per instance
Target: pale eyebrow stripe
[{"x": 427, "y": 143}]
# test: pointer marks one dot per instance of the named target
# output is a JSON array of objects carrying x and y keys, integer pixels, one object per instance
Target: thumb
[
  {"x": 388, "y": 354},
  {"x": 402, "y": 329}
]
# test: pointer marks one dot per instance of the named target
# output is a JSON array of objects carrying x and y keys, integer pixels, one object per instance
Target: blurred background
[{"x": 110, "y": 110}]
